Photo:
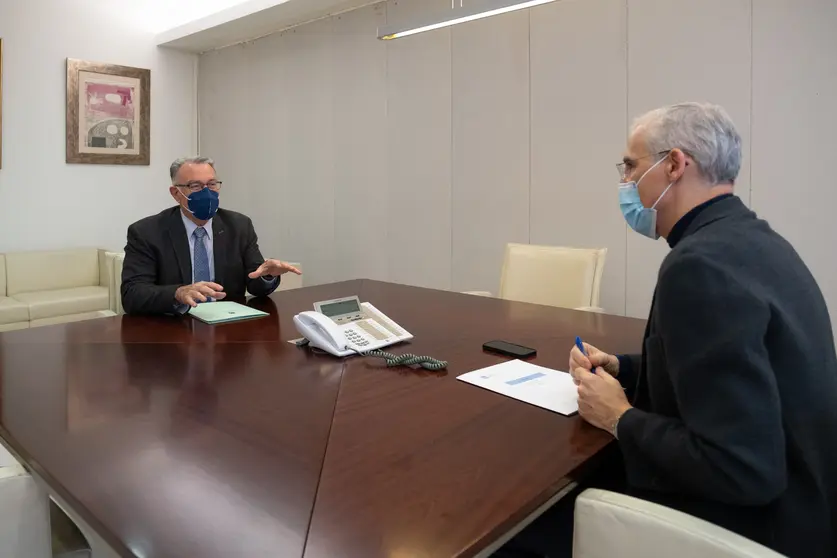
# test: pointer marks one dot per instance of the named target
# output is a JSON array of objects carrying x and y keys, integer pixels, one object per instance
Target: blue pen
[{"x": 580, "y": 344}]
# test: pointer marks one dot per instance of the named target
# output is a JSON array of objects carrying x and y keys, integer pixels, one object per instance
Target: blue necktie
[{"x": 201, "y": 263}]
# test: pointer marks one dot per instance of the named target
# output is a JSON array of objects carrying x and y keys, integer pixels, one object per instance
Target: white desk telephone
[{"x": 345, "y": 326}]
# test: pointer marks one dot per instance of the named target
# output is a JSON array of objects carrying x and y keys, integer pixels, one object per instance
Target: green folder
[{"x": 224, "y": 312}]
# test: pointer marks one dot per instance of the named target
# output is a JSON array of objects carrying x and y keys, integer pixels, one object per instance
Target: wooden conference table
[{"x": 172, "y": 438}]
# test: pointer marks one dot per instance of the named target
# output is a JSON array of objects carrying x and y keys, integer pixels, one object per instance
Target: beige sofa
[{"x": 45, "y": 288}]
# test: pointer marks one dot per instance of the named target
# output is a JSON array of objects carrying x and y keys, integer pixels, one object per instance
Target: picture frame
[{"x": 108, "y": 114}]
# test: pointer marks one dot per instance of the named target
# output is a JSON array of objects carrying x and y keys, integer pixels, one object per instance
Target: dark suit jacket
[
  {"x": 735, "y": 395},
  {"x": 158, "y": 260}
]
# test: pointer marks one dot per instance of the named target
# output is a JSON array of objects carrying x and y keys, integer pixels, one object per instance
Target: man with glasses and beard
[{"x": 194, "y": 252}]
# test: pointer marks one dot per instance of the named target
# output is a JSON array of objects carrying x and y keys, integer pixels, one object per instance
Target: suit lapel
[
  {"x": 219, "y": 247},
  {"x": 177, "y": 235}
]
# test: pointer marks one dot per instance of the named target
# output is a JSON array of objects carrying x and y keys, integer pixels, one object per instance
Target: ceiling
[{"x": 251, "y": 19}]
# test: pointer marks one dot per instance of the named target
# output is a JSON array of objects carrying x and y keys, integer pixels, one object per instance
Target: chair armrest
[
  {"x": 608, "y": 524},
  {"x": 595, "y": 309},
  {"x": 477, "y": 293}
]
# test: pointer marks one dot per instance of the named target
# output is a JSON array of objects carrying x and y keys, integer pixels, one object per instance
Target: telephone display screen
[{"x": 340, "y": 308}]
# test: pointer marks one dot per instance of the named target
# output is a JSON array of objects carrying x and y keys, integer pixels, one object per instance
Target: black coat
[
  {"x": 735, "y": 394},
  {"x": 158, "y": 260}
]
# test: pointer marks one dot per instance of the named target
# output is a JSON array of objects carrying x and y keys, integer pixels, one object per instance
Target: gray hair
[
  {"x": 175, "y": 167},
  {"x": 703, "y": 131}
]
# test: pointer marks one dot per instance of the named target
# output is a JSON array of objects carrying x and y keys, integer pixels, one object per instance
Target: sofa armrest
[
  {"x": 116, "y": 284},
  {"x": 111, "y": 277},
  {"x": 608, "y": 524}
]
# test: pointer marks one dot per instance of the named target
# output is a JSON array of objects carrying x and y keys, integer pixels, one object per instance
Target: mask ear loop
[
  {"x": 646, "y": 174},
  {"x": 187, "y": 200},
  {"x": 661, "y": 195}
]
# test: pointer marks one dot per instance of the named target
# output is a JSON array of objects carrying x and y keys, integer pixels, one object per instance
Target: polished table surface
[{"x": 173, "y": 438}]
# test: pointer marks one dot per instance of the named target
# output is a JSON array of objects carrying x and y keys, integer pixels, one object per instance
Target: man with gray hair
[
  {"x": 194, "y": 252},
  {"x": 730, "y": 413}
]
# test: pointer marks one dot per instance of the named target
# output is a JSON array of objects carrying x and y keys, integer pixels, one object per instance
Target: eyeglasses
[
  {"x": 195, "y": 186},
  {"x": 627, "y": 166}
]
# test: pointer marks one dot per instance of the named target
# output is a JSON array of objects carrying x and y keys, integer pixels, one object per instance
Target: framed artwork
[{"x": 108, "y": 114}]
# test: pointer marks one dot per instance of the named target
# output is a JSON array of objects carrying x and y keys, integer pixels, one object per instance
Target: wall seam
[{"x": 627, "y": 126}]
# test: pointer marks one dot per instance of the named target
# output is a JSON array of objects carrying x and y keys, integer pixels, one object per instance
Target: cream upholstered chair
[
  {"x": 608, "y": 524},
  {"x": 24, "y": 512},
  {"x": 552, "y": 275}
]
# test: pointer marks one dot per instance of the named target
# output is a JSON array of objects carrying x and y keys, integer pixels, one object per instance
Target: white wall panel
[
  {"x": 360, "y": 144},
  {"x": 267, "y": 140},
  {"x": 224, "y": 117},
  {"x": 419, "y": 154},
  {"x": 579, "y": 91},
  {"x": 794, "y": 123},
  {"x": 308, "y": 209},
  {"x": 681, "y": 50},
  {"x": 490, "y": 63}
]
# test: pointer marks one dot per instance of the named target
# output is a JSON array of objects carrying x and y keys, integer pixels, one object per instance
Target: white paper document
[{"x": 543, "y": 387}]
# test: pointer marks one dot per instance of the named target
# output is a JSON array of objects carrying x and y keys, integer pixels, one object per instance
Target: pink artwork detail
[{"x": 105, "y": 101}]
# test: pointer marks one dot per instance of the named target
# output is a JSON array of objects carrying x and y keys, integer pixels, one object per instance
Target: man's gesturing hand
[
  {"x": 274, "y": 268},
  {"x": 199, "y": 292}
]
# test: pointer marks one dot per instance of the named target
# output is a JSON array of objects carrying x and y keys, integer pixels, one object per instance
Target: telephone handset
[
  {"x": 367, "y": 330},
  {"x": 322, "y": 333}
]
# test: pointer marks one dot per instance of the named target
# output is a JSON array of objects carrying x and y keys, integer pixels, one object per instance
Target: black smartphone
[{"x": 509, "y": 349}]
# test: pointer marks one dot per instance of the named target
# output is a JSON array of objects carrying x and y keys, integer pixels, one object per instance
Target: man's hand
[
  {"x": 199, "y": 292},
  {"x": 274, "y": 268},
  {"x": 601, "y": 399},
  {"x": 598, "y": 358}
]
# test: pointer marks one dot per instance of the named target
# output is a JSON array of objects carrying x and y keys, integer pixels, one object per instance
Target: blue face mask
[
  {"x": 640, "y": 218},
  {"x": 204, "y": 204}
]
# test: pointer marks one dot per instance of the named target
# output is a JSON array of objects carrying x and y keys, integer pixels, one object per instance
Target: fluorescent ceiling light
[{"x": 455, "y": 16}]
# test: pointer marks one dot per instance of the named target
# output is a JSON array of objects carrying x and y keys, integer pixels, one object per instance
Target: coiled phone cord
[{"x": 392, "y": 360}]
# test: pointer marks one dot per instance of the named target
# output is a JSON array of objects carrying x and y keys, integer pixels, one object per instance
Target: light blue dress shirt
[{"x": 191, "y": 226}]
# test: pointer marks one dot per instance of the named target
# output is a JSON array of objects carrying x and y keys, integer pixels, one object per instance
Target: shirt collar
[
  {"x": 191, "y": 226},
  {"x": 679, "y": 228}
]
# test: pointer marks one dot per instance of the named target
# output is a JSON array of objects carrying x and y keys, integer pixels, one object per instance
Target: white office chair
[
  {"x": 552, "y": 275},
  {"x": 608, "y": 524},
  {"x": 24, "y": 512}
]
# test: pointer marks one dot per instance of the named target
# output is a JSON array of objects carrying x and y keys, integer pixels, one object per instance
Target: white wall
[
  {"x": 416, "y": 160},
  {"x": 45, "y": 203}
]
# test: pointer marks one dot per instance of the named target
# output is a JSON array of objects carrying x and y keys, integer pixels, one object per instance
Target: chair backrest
[
  {"x": 28, "y": 272},
  {"x": 608, "y": 524},
  {"x": 552, "y": 275}
]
